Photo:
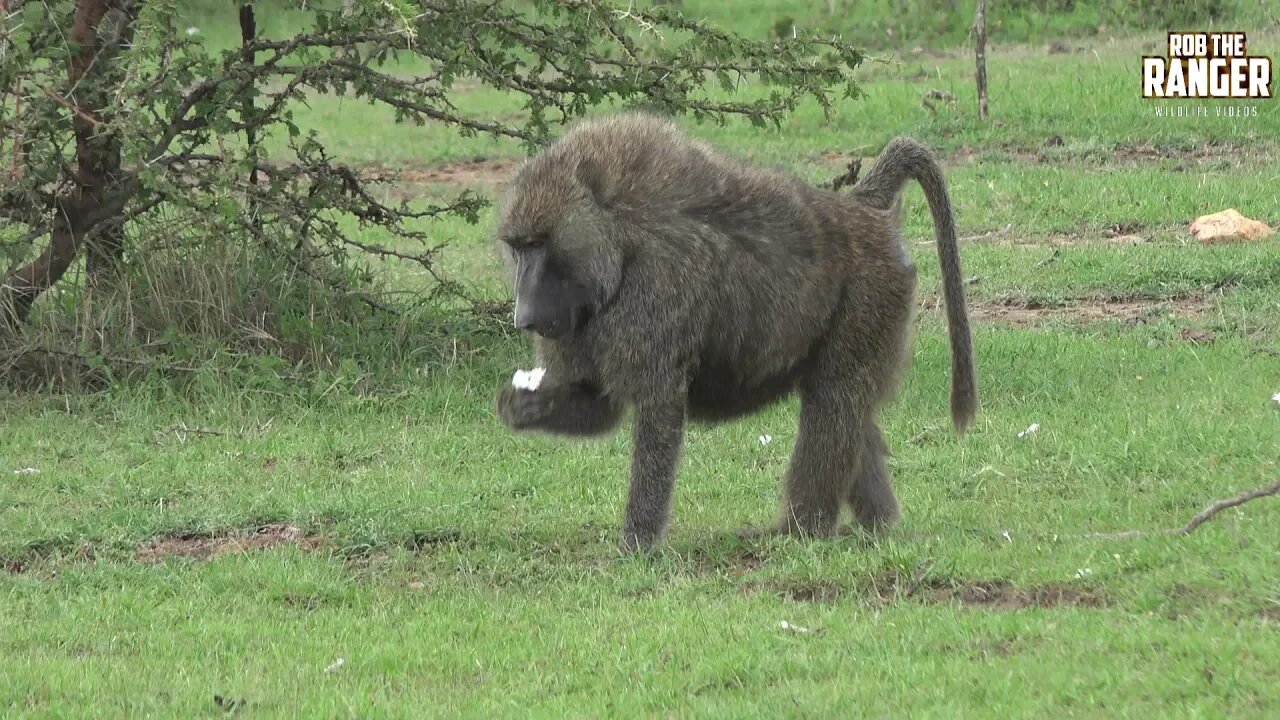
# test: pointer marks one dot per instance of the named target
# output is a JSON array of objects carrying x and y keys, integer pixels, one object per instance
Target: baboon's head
[{"x": 555, "y": 238}]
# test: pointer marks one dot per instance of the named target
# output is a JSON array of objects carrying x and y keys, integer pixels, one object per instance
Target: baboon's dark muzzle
[
  {"x": 548, "y": 302},
  {"x": 552, "y": 325}
]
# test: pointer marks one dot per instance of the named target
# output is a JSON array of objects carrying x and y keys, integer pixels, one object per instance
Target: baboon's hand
[
  {"x": 522, "y": 409},
  {"x": 568, "y": 410}
]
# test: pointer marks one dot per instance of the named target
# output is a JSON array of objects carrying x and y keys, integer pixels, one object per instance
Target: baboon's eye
[{"x": 535, "y": 241}]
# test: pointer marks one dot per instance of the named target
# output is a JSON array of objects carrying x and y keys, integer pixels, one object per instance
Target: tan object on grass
[{"x": 1227, "y": 226}]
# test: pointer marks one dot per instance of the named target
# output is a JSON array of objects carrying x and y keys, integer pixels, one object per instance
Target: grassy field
[{"x": 379, "y": 547}]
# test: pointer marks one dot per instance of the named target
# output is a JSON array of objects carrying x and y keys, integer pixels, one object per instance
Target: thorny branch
[{"x": 128, "y": 124}]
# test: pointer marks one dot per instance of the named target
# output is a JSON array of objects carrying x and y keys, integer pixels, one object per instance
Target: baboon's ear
[{"x": 592, "y": 176}]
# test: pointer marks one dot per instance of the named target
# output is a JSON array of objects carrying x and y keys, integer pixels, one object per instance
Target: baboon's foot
[
  {"x": 807, "y": 527},
  {"x": 863, "y": 532},
  {"x": 638, "y": 543},
  {"x": 877, "y": 517}
]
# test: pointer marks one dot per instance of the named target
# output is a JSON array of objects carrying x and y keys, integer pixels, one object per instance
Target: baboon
[{"x": 661, "y": 274}]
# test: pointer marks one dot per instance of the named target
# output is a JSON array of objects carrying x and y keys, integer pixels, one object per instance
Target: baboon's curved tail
[{"x": 901, "y": 160}]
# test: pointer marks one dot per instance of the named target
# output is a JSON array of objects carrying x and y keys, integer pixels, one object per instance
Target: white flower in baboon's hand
[{"x": 528, "y": 379}]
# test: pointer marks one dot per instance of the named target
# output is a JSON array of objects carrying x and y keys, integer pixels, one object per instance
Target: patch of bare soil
[
  {"x": 1008, "y": 237},
  {"x": 891, "y": 588},
  {"x": 1057, "y": 47},
  {"x": 818, "y": 591},
  {"x": 1055, "y": 150},
  {"x": 1196, "y": 336},
  {"x": 476, "y": 172},
  {"x": 1135, "y": 153},
  {"x": 363, "y": 559},
  {"x": 485, "y": 175},
  {"x": 204, "y": 547},
  {"x": 710, "y": 560},
  {"x": 46, "y": 558},
  {"x": 992, "y": 594},
  {"x": 1022, "y": 313}
]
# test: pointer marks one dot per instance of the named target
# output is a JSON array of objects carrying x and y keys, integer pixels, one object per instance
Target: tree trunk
[
  {"x": 26, "y": 284},
  {"x": 91, "y": 200},
  {"x": 98, "y": 153},
  {"x": 980, "y": 27},
  {"x": 248, "y": 33}
]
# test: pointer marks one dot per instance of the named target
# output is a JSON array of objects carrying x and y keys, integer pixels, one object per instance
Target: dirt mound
[
  {"x": 818, "y": 591},
  {"x": 993, "y": 594},
  {"x": 893, "y": 588},
  {"x": 203, "y": 547},
  {"x": 476, "y": 171},
  {"x": 1023, "y": 313}
]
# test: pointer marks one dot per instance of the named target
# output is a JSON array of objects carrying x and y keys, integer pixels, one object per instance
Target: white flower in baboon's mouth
[{"x": 528, "y": 379}]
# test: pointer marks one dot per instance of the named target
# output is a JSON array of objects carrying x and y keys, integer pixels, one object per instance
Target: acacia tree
[{"x": 117, "y": 124}]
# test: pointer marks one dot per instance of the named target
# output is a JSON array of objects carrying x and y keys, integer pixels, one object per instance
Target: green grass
[
  {"x": 525, "y": 608},
  {"x": 459, "y": 570}
]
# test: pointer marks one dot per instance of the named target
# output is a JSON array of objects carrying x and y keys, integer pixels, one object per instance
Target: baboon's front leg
[
  {"x": 657, "y": 436},
  {"x": 572, "y": 409}
]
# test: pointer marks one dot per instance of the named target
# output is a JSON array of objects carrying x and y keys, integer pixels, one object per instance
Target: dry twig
[
  {"x": 980, "y": 59},
  {"x": 849, "y": 177},
  {"x": 1198, "y": 519}
]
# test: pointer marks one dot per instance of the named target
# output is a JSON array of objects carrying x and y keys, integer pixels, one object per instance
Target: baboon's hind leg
[
  {"x": 834, "y": 413},
  {"x": 870, "y": 495},
  {"x": 840, "y": 453}
]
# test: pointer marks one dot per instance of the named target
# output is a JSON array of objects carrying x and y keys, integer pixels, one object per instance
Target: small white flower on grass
[
  {"x": 1006, "y": 536},
  {"x": 793, "y": 628},
  {"x": 26, "y": 471},
  {"x": 1276, "y": 398},
  {"x": 528, "y": 379},
  {"x": 1031, "y": 430},
  {"x": 1083, "y": 573},
  {"x": 766, "y": 439},
  {"x": 193, "y": 30},
  {"x": 335, "y": 665}
]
